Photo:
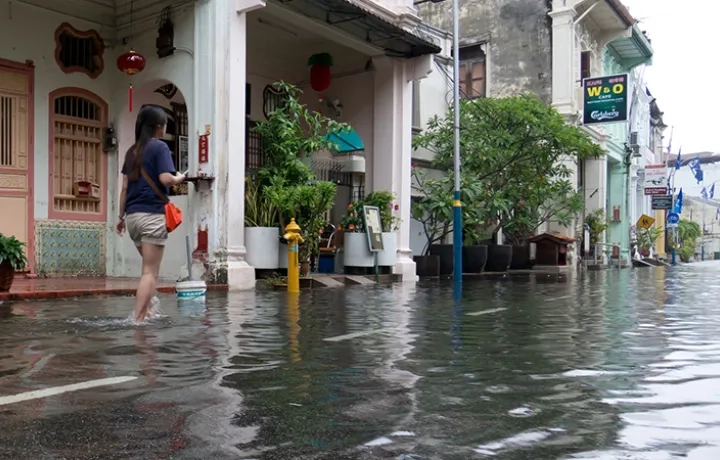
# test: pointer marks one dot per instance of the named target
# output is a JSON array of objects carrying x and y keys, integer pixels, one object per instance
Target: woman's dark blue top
[{"x": 140, "y": 197}]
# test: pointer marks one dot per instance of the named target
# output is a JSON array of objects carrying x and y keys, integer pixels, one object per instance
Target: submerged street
[{"x": 615, "y": 365}]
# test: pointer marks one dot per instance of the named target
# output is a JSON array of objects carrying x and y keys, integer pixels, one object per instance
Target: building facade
[
  {"x": 505, "y": 45},
  {"x": 548, "y": 48},
  {"x": 67, "y": 118},
  {"x": 705, "y": 213}
]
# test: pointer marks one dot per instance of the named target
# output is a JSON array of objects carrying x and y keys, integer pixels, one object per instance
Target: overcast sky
[{"x": 685, "y": 70}]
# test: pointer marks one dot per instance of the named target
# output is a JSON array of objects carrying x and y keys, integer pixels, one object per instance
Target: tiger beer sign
[{"x": 605, "y": 99}]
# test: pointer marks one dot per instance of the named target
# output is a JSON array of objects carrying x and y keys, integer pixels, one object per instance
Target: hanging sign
[
  {"x": 656, "y": 182},
  {"x": 605, "y": 99},
  {"x": 662, "y": 202},
  {"x": 203, "y": 148}
]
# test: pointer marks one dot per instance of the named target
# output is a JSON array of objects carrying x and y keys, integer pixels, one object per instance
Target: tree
[
  {"x": 523, "y": 153},
  {"x": 688, "y": 234},
  {"x": 290, "y": 135}
]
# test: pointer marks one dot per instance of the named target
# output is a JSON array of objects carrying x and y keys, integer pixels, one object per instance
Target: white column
[
  {"x": 392, "y": 149},
  {"x": 228, "y": 139},
  {"x": 563, "y": 62},
  {"x": 564, "y": 86},
  {"x": 595, "y": 184}
]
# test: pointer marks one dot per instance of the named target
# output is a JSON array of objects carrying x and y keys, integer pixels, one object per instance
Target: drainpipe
[{"x": 628, "y": 163}]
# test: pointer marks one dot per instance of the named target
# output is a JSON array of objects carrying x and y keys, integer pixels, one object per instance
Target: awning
[
  {"x": 347, "y": 142},
  {"x": 632, "y": 51},
  {"x": 366, "y": 26}
]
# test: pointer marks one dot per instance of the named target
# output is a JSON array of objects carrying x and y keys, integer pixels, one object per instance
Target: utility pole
[{"x": 457, "y": 205}]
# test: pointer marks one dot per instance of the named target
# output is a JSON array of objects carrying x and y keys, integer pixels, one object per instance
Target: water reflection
[{"x": 611, "y": 365}]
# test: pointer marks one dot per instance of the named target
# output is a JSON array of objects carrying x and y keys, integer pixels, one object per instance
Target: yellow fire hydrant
[{"x": 293, "y": 238}]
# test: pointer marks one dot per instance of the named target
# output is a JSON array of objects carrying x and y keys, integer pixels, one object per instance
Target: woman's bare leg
[
  {"x": 151, "y": 258},
  {"x": 149, "y": 306}
]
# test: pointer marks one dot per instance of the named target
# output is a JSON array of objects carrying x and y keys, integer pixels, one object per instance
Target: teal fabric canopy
[{"x": 347, "y": 141}]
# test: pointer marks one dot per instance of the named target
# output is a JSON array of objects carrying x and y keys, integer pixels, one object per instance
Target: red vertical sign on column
[{"x": 203, "y": 149}]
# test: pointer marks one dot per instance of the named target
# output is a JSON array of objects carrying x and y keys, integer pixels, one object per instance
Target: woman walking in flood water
[{"x": 148, "y": 171}]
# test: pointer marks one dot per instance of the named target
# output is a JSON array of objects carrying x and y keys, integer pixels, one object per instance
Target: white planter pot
[
  {"x": 388, "y": 256},
  {"x": 283, "y": 256},
  {"x": 262, "y": 245},
  {"x": 356, "y": 253}
]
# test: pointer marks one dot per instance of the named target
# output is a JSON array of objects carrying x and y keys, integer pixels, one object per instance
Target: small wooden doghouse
[{"x": 551, "y": 248}]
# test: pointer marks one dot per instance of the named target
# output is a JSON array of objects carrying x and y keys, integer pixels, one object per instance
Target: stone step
[
  {"x": 326, "y": 281},
  {"x": 356, "y": 279}
]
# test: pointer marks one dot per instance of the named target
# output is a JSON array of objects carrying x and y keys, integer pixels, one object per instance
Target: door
[{"x": 15, "y": 147}]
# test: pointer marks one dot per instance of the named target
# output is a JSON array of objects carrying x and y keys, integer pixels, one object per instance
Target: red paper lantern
[
  {"x": 131, "y": 63},
  {"x": 320, "y": 77}
]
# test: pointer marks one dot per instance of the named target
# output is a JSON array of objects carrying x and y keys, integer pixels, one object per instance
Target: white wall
[
  {"x": 435, "y": 99},
  {"x": 126, "y": 260},
  {"x": 123, "y": 259},
  {"x": 28, "y": 33}
]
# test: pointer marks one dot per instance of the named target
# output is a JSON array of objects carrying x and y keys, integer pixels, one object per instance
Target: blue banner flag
[
  {"x": 704, "y": 194},
  {"x": 695, "y": 168},
  {"x": 679, "y": 203},
  {"x": 678, "y": 162},
  {"x": 712, "y": 191}
]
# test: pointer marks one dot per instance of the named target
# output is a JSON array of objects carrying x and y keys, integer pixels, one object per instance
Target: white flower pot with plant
[{"x": 262, "y": 241}]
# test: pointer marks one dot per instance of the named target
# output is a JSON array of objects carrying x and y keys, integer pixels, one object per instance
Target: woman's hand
[
  {"x": 179, "y": 177},
  {"x": 120, "y": 227}
]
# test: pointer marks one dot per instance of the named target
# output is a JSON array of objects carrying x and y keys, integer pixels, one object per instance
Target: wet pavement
[{"x": 617, "y": 365}]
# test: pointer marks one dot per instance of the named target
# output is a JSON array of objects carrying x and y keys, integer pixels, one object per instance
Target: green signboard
[{"x": 605, "y": 99}]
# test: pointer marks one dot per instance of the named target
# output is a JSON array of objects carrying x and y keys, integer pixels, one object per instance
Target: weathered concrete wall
[{"x": 519, "y": 34}]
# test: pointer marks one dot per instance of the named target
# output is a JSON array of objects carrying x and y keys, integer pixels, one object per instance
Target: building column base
[
  {"x": 405, "y": 267},
  {"x": 240, "y": 276}
]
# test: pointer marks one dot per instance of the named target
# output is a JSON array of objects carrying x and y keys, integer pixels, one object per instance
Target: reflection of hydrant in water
[{"x": 293, "y": 239}]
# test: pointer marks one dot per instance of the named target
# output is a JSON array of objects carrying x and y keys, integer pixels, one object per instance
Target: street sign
[
  {"x": 656, "y": 181},
  {"x": 672, "y": 219},
  {"x": 662, "y": 202},
  {"x": 645, "y": 222}
]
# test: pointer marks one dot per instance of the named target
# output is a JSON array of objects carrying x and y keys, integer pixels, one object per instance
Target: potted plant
[
  {"x": 597, "y": 224},
  {"x": 433, "y": 208},
  {"x": 261, "y": 228},
  {"x": 356, "y": 253},
  {"x": 384, "y": 201},
  {"x": 475, "y": 249},
  {"x": 12, "y": 259},
  {"x": 646, "y": 240}
]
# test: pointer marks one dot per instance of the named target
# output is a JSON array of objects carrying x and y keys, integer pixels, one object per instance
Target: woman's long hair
[{"x": 146, "y": 124}]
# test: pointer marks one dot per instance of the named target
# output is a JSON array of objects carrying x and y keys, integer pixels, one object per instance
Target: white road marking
[
  {"x": 44, "y": 393},
  {"x": 486, "y": 312},
  {"x": 355, "y": 335}
]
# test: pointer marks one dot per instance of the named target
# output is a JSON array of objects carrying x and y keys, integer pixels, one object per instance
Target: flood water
[{"x": 615, "y": 365}]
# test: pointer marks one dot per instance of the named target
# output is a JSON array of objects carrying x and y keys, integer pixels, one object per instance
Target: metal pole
[
  {"x": 457, "y": 205},
  {"x": 674, "y": 244},
  {"x": 702, "y": 240}
]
